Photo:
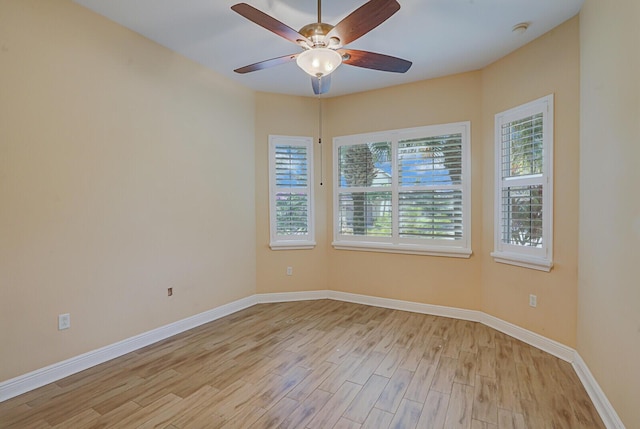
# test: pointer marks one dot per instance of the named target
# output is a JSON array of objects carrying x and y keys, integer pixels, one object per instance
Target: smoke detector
[{"x": 520, "y": 28}]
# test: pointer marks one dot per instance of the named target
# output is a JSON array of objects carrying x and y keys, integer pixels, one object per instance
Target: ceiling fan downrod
[{"x": 316, "y": 33}]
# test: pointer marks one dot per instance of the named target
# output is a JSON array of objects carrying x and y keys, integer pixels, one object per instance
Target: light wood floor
[{"x": 318, "y": 364}]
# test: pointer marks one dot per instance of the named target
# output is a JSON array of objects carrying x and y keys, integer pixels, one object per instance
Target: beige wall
[
  {"x": 118, "y": 166},
  {"x": 292, "y": 116},
  {"x": 548, "y": 65},
  {"x": 427, "y": 279},
  {"x": 609, "y": 274},
  {"x": 434, "y": 280}
]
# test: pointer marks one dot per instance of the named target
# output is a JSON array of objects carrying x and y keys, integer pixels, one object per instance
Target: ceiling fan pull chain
[{"x": 320, "y": 135}]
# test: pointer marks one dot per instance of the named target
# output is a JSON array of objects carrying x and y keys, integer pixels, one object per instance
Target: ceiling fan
[{"x": 323, "y": 44}]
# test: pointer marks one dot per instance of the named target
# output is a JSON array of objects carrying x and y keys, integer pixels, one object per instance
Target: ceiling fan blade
[
  {"x": 372, "y": 60},
  {"x": 364, "y": 19},
  {"x": 266, "y": 64},
  {"x": 321, "y": 85},
  {"x": 268, "y": 22}
]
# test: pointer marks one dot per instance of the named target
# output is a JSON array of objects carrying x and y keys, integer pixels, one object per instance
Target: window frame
[
  {"x": 537, "y": 258},
  {"x": 291, "y": 241},
  {"x": 420, "y": 246}
]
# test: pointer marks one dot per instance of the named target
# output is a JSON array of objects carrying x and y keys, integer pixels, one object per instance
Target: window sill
[
  {"x": 293, "y": 245},
  {"x": 450, "y": 252},
  {"x": 523, "y": 261}
]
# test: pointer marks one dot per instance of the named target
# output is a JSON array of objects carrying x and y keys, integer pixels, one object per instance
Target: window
[
  {"x": 291, "y": 192},
  {"x": 404, "y": 191},
  {"x": 524, "y": 185}
]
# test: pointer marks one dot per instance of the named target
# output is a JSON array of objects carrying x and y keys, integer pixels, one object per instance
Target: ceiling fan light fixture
[{"x": 319, "y": 62}]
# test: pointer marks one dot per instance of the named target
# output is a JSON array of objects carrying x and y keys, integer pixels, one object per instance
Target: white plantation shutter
[
  {"x": 430, "y": 178},
  {"x": 405, "y": 191},
  {"x": 524, "y": 165},
  {"x": 291, "y": 192},
  {"x": 365, "y": 198}
]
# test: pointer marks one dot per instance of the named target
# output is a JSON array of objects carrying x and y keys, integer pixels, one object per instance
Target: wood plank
[
  {"x": 413, "y": 357},
  {"x": 485, "y": 406},
  {"x": 164, "y": 416},
  {"x": 479, "y": 424},
  {"x": 468, "y": 341},
  {"x": 307, "y": 386},
  {"x": 392, "y": 394},
  {"x": 245, "y": 418},
  {"x": 346, "y": 424},
  {"x": 336, "y": 406},
  {"x": 433, "y": 350},
  {"x": 365, "y": 400},
  {"x": 445, "y": 374},
  {"x": 366, "y": 369},
  {"x": 198, "y": 409},
  {"x": 391, "y": 362},
  {"x": 509, "y": 420},
  {"x": 273, "y": 392},
  {"x": 341, "y": 374},
  {"x": 434, "y": 411},
  {"x": 485, "y": 336},
  {"x": 460, "y": 406},
  {"x": 486, "y": 362},
  {"x": 377, "y": 419},
  {"x": 33, "y": 398},
  {"x": 407, "y": 416},
  {"x": 84, "y": 419},
  {"x": 276, "y": 415},
  {"x": 132, "y": 415},
  {"x": 509, "y": 395},
  {"x": 306, "y": 410},
  {"x": 466, "y": 369},
  {"x": 421, "y": 382}
]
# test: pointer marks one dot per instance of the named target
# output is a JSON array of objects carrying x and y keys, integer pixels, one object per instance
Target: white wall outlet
[
  {"x": 533, "y": 301},
  {"x": 289, "y": 271},
  {"x": 64, "y": 321}
]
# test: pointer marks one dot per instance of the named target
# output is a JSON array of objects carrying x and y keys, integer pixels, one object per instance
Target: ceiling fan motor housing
[{"x": 316, "y": 32}]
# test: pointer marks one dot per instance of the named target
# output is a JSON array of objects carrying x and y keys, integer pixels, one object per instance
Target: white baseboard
[
  {"x": 52, "y": 373},
  {"x": 603, "y": 406},
  {"x": 312, "y": 295},
  {"x": 414, "y": 307},
  {"x": 536, "y": 340},
  {"x": 38, "y": 378}
]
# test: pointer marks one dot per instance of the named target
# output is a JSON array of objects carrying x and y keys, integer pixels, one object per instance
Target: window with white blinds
[
  {"x": 405, "y": 191},
  {"x": 524, "y": 194},
  {"x": 291, "y": 192}
]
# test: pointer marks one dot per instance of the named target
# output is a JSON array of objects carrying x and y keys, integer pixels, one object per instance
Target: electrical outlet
[
  {"x": 169, "y": 291},
  {"x": 289, "y": 271},
  {"x": 64, "y": 321},
  {"x": 533, "y": 301}
]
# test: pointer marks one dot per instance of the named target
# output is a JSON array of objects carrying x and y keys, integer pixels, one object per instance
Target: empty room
[{"x": 305, "y": 214}]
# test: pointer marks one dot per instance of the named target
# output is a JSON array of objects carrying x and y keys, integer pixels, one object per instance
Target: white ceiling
[{"x": 440, "y": 37}]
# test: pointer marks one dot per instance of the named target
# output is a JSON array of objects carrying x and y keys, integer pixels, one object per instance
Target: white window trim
[
  {"x": 447, "y": 248},
  {"x": 291, "y": 242},
  {"x": 522, "y": 256}
]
